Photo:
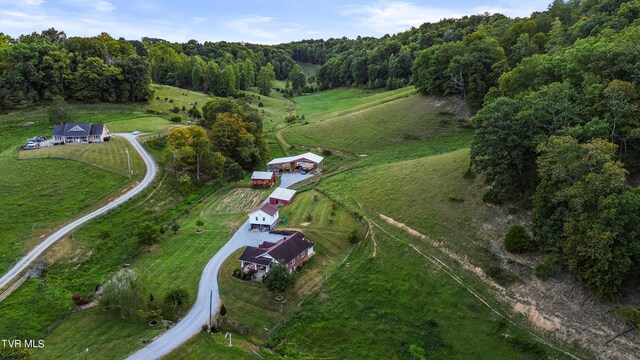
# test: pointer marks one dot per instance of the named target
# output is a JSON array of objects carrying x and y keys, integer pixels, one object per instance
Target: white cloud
[
  {"x": 392, "y": 17},
  {"x": 263, "y": 29},
  {"x": 197, "y": 20},
  {"x": 104, "y": 6},
  {"x": 396, "y": 16}
]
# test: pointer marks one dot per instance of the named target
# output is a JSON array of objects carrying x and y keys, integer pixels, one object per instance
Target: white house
[
  {"x": 80, "y": 133},
  {"x": 264, "y": 217}
]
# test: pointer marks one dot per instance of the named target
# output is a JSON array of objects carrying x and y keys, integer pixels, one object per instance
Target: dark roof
[
  {"x": 268, "y": 208},
  {"x": 58, "y": 130},
  {"x": 78, "y": 129},
  {"x": 290, "y": 247},
  {"x": 251, "y": 254},
  {"x": 96, "y": 129},
  {"x": 285, "y": 249}
]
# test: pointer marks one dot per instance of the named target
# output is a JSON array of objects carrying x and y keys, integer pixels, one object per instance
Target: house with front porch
[
  {"x": 292, "y": 250},
  {"x": 80, "y": 133}
]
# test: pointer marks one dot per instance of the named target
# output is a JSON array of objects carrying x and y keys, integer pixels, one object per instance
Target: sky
[{"x": 253, "y": 21}]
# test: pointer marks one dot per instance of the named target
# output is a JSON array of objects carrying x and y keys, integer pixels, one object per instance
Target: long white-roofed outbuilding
[{"x": 303, "y": 162}]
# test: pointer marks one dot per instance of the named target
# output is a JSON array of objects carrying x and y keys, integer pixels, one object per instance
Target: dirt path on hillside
[{"x": 560, "y": 306}]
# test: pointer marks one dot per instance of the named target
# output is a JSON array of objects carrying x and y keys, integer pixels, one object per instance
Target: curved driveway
[
  {"x": 152, "y": 170},
  {"x": 192, "y": 323}
]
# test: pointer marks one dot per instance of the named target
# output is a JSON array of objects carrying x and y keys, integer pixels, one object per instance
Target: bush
[
  {"x": 199, "y": 222},
  {"x": 148, "y": 233},
  {"x": 353, "y": 237},
  {"x": 492, "y": 196},
  {"x": 629, "y": 315},
  {"x": 456, "y": 198},
  {"x": 223, "y": 310},
  {"x": 176, "y": 299},
  {"x": 469, "y": 174},
  {"x": 175, "y": 109},
  {"x": 327, "y": 152},
  {"x": 549, "y": 266},
  {"x": 80, "y": 300},
  {"x": 260, "y": 104},
  {"x": 279, "y": 279},
  {"x": 175, "y": 227},
  {"x": 175, "y": 119},
  {"x": 517, "y": 240}
]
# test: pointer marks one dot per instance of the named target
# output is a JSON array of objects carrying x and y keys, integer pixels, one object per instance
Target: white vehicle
[{"x": 136, "y": 132}]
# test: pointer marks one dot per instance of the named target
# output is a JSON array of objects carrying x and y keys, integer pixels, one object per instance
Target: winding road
[
  {"x": 152, "y": 170},
  {"x": 192, "y": 323}
]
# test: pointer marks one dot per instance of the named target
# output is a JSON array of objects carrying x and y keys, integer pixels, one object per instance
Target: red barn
[
  {"x": 281, "y": 196},
  {"x": 263, "y": 179}
]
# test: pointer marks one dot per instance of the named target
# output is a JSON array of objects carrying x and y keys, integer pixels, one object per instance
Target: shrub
[
  {"x": 279, "y": 279},
  {"x": 549, "y": 266},
  {"x": 80, "y": 300},
  {"x": 175, "y": 119},
  {"x": 175, "y": 109},
  {"x": 223, "y": 310},
  {"x": 148, "y": 233},
  {"x": 629, "y": 315},
  {"x": 456, "y": 198},
  {"x": 353, "y": 236},
  {"x": 469, "y": 174},
  {"x": 517, "y": 240},
  {"x": 492, "y": 196},
  {"x": 199, "y": 222},
  {"x": 327, "y": 152},
  {"x": 184, "y": 108},
  {"x": 176, "y": 299},
  {"x": 260, "y": 104},
  {"x": 175, "y": 227}
]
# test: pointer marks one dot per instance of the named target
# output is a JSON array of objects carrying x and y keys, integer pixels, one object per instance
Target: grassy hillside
[
  {"x": 329, "y": 103},
  {"x": 403, "y": 121}
]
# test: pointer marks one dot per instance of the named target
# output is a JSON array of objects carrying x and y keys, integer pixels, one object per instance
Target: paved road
[
  {"x": 152, "y": 170},
  {"x": 192, "y": 323}
]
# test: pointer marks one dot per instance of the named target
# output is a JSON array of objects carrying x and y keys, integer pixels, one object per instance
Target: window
[
  {"x": 256, "y": 218},
  {"x": 263, "y": 218},
  {"x": 293, "y": 261}
]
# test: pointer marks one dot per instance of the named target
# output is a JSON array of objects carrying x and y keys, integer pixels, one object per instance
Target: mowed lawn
[
  {"x": 177, "y": 262},
  {"x": 38, "y": 195},
  {"x": 402, "y": 121},
  {"x": 109, "y": 155},
  {"x": 252, "y": 310}
]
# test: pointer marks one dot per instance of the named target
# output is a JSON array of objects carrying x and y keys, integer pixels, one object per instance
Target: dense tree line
[
  {"x": 562, "y": 127},
  {"x": 43, "y": 66}
]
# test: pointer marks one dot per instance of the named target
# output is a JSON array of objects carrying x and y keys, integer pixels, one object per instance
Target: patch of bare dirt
[
  {"x": 306, "y": 223},
  {"x": 561, "y": 305}
]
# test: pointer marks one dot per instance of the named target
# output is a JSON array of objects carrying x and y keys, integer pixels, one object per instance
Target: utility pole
[{"x": 128, "y": 160}]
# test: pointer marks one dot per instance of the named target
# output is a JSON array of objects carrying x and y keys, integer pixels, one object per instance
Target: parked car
[
  {"x": 31, "y": 146},
  {"x": 41, "y": 139},
  {"x": 136, "y": 132}
]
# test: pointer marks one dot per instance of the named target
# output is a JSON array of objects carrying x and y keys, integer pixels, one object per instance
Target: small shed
[
  {"x": 264, "y": 217},
  {"x": 303, "y": 162},
  {"x": 263, "y": 179},
  {"x": 281, "y": 196}
]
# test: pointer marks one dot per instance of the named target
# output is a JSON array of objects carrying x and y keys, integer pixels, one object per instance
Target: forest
[{"x": 554, "y": 97}]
